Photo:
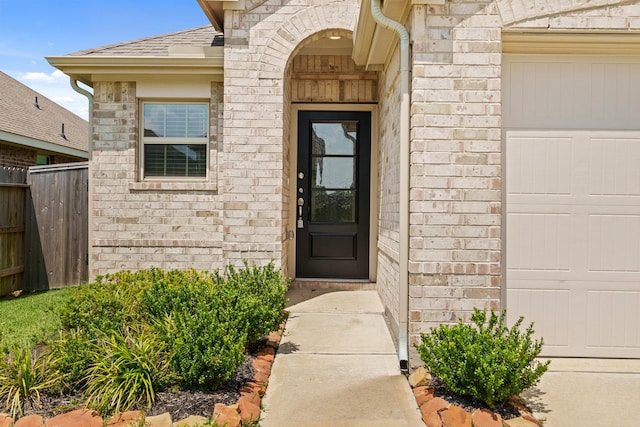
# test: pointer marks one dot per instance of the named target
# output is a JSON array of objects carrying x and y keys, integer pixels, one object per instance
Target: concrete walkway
[
  {"x": 587, "y": 393},
  {"x": 337, "y": 366}
]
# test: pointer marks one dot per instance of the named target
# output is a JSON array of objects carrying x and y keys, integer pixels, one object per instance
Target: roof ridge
[{"x": 142, "y": 39}]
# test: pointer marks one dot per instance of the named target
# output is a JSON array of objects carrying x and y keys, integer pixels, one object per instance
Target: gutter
[{"x": 403, "y": 268}]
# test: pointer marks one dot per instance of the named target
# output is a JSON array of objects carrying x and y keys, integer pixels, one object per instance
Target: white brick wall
[
  {"x": 570, "y": 14},
  {"x": 259, "y": 46},
  {"x": 455, "y": 210},
  {"x": 456, "y": 152},
  {"x": 389, "y": 190},
  {"x": 134, "y": 226},
  {"x": 456, "y": 172}
]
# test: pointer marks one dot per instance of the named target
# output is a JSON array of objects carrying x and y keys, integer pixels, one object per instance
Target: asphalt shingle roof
[
  {"x": 19, "y": 116},
  {"x": 155, "y": 46}
]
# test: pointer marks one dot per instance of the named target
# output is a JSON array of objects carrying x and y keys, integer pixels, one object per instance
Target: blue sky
[{"x": 33, "y": 29}]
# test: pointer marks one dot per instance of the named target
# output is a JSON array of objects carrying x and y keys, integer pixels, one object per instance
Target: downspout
[
  {"x": 403, "y": 268},
  {"x": 89, "y": 95}
]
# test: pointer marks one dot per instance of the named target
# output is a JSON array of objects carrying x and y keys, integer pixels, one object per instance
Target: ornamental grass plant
[{"x": 24, "y": 373}]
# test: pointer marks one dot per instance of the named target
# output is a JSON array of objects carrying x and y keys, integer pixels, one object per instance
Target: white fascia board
[{"x": 83, "y": 68}]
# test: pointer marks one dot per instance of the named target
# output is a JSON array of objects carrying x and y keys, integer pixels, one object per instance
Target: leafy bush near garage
[{"x": 484, "y": 360}]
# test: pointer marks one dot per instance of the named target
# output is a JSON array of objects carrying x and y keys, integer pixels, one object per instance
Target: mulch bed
[{"x": 508, "y": 410}]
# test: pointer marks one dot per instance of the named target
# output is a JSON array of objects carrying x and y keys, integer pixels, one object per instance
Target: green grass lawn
[{"x": 29, "y": 318}]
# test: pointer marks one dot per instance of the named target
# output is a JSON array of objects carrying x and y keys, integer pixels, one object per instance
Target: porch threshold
[{"x": 333, "y": 284}]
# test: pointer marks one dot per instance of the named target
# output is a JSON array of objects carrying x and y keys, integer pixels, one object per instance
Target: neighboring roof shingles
[
  {"x": 19, "y": 116},
  {"x": 155, "y": 46}
]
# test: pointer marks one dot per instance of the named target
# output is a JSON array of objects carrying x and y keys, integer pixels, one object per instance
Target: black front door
[{"x": 332, "y": 199}]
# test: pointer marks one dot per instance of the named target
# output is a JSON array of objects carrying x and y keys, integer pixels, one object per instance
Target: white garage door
[{"x": 572, "y": 133}]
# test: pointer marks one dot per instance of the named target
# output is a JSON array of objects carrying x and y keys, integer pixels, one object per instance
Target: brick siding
[
  {"x": 259, "y": 46},
  {"x": 456, "y": 176},
  {"x": 455, "y": 198},
  {"x": 136, "y": 226},
  {"x": 21, "y": 157},
  {"x": 16, "y": 157},
  {"x": 389, "y": 190}
]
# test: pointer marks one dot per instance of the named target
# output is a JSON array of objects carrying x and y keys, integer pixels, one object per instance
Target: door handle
[{"x": 300, "y": 204}]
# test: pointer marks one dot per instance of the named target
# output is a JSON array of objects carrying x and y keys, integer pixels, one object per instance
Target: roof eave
[
  {"x": 374, "y": 44},
  {"x": 213, "y": 11},
  {"x": 85, "y": 68},
  {"x": 37, "y": 144}
]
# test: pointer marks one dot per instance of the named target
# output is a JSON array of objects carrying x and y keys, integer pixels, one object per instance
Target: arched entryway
[{"x": 332, "y": 199}]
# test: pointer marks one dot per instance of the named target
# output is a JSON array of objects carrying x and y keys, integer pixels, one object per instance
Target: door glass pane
[
  {"x": 333, "y": 206},
  {"x": 337, "y": 138},
  {"x": 333, "y": 172}
]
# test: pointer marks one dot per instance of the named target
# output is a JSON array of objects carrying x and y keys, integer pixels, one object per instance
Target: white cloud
[
  {"x": 54, "y": 77},
  {"x": 56, "y": 86}
]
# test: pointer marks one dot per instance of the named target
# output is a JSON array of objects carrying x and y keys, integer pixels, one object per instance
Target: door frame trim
[{"x": 373, "y": 181}]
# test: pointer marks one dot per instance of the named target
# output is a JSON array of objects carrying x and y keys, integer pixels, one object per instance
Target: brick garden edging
[
  {"x": 437, "y": 412},
  {"x": 246, "y": 410}
]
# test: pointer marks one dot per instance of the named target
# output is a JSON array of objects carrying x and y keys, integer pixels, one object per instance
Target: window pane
[
  {"x": 179, "y": 160},
  {"x": 333, "y": 206},
  {"x": 176, "y": 120},
  {"x": 197, "y": 121},
  {"x": 334, "y": 138},
  {"x": 154, "y": 120},
  {"x": 333, "y": 172}
]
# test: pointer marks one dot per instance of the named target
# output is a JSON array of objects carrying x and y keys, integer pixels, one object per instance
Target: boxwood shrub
[
  {"x": 484, "y": 360},
  {"x": 203, "y": 321}
]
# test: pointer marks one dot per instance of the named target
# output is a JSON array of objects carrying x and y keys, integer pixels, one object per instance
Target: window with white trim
[{"x": 175, "y": 140}]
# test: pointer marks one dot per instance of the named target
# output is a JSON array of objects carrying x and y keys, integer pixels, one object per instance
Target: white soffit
[{"x": 373, "y": 44}]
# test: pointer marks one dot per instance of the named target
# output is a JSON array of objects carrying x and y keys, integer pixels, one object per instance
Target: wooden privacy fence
[
  {"x": 13, "y": 202},
  {"x": 44, "y": 230}
]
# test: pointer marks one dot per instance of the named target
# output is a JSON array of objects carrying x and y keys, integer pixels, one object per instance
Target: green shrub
[
  {"x": 205, "y": 351},
  {"x": 208, "y": 319},
  {"x": 485, "y": 360},
  {"x": 127, "y": 370},
  {"x": 24, "y": 373},
  {"x": 204, "y": 322},
  {"x": 89, "y": 313},
  {"x": 255, "y": 297},
  {"x": 106, "y": 304},
  {"x": 204, "y": 347}
]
